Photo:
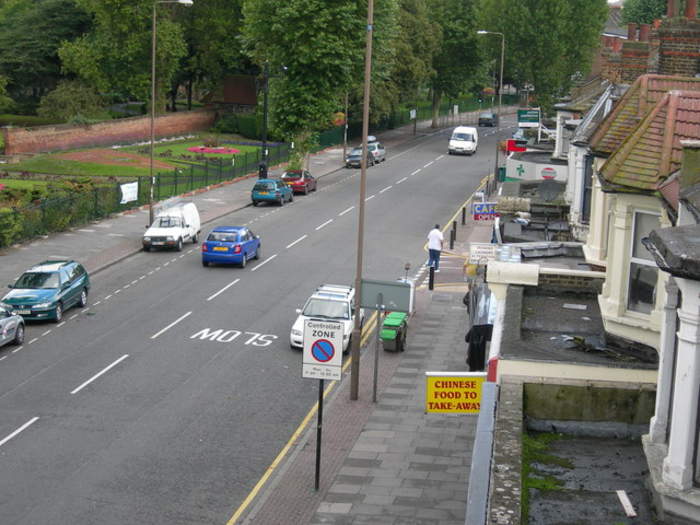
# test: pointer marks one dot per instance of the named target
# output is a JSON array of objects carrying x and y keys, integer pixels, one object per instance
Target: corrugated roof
[
  {"x": 646, "y": 91},
  {"x": 653, "y": 150}
]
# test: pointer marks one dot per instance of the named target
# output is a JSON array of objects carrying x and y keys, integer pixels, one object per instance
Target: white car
[
  {"x": 172, "y": 227},
  {"x": 333, "y": 302}
]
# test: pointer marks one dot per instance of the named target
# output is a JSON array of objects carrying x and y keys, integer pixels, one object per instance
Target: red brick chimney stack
[
  {"x": 691, "y": 9},
  {"x": 644, "y": 32},
  {"x": 631, "y": 31},
  {"x": 670, "y": 8}
]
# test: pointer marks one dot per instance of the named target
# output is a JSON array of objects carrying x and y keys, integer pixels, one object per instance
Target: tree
[
  {"x": 6, "y": 102},
  {"x": 643, "y": 11},
  {"x": 115, "y": 56},
  {"x": 72, "y": 100}
]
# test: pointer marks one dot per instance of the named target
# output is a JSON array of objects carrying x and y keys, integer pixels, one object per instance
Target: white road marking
[
  {"x": 386, "y": 189},
  {"x": 142, "y": 277},
  {"x": 190, "y": 250},
  {"x": 116, "y": 235},
  {"x": 264, "y": 262},
  {"x": 87, "y": 231},
  {"x": 59, "y": 325},
  {"x": 346, "y": 211},
  {"x": 110, "y": 295},
  {"x": 46, "y": 333},
  {"x": 72, "y": 317},
  {"x": 297, "y": 241},
  {"x": 166, "y": 264},
  {"x": 151, "y": 272},
  {"x": 17, "y": 349},
  {"x": 85, "y": 310},
  {"x": 173, "y": 259},
  {"x": 229, "y": 285},
  {"x": 134, "y": 281},
  {"x": 370, "y": 197},
  {"x": 324, "y": 224},
  {"x": 401, "y": 180},
  {"x": 117, "y": 291},
  {"x": 32, "y": 341},
  {"x": 181, "y": 256},
  {"x": 157, "y": 268},
  {"x": 428, "y": 164},
  {"x": 441, "y": 156},
  {"x": 126, "y": 286},
  {"x": 3, "y": 357},
  {"x": 414, "y": 172},
  {"x": 170, "y": 325},
  {"x": 624, "y": 501},
  {"x": 98, "y": 374},
  {"x": 20, "y": 429},
  {"x": 97, "y": 303}
]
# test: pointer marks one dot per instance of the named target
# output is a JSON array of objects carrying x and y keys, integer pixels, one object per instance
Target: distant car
[
  {"x": 377, "y": 150},
  {"x": 11, "y": 327},
  {"x": 271, "y": 190},
  {"x": 301, "y": 181},
  {"x": 47, "y": 290},
  {"x": 230, "y": 245},
  {"x": 488, "y": 118},
  {"x": 355, "y": 156}
]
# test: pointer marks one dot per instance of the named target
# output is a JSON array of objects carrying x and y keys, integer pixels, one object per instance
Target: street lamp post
[
  {"x": 500, "y": 92},
  {"x": 262, "y": 171},
  {"x": 153, "y": 95}
]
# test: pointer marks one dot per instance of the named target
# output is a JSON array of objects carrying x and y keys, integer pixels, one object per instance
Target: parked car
[
  {"x": 488, "y": 118},
  {"x": 11, "y": 327},
  {"x": 464, "y": 139},
  {"x": 47, "y": 290},
  {"x": 354, "y": 157},
  {"x": 230, "y": 245},
  {"x": 334, "y": 302},
  {"x": 301, "y": 181},
  {"x": 172, "y": 227},
  {"x": 377, "y": 150},
  {"x": 271, "y": 190}
]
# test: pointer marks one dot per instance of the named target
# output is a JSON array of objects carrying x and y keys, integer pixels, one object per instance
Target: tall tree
[{"x": 643, "y": 11}]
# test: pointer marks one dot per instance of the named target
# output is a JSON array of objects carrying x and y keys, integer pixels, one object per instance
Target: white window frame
[{"x": 643, "y": 262}]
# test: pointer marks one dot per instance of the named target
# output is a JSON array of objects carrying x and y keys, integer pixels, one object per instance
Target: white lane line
[
  {"x": 126, "y": 286},
  {"x": 46, "y": 333},
  {"x": 98, "y": 374},
  {"x": 117, "y": 291},
  {"x": 157, "y": 268},
  {"x": 229, "y": 285},
  {"x": 191, "y": 250},
  {"x": 386, "y": 189},
  {"x": 87, "y": 231},
  {"x": 85, "y": 310},
  {"x": 151, "y": 272},
  {"x": 32, "y": 341},
  {"x": 134, "y": 281},
  {"x": 17, "y": 349},
  {"x": 59, "y": 325},
  {"x": 429, "y": 164},
  {"x": 401, "y": 180},
  {"x": 181, "y": 256},
  {"x": 116, "y": 235},
  {"x": 346, "y": 211},
  {"x": 166, "y": 264},
  {"x": 3, "y": 357},
  {"x": 264, "y": 262},
  {"x": 370, "y": 197},
  {"x": 441, "y": 156},
  {"x": 20, "y": 429},
  {"x": 72, "y": 317},
  {"x": 96, "y": 303},
  {"x": 414, "y": 172},
  {"x": 142, "y": 277},
  {"x": 110, "y": 295},
  {"x": 171, "y": 325},
  {"x": 173, "y": 259},
  {"x": 297, "y": 241},
  {"x": 324, "y": 224}
]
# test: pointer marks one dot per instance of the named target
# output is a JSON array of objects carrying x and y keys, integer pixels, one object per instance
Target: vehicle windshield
[
  {"x": 292, "y": 176},
  {"x": 37, "y": 280},
  {"x": 486, "y": 115},
  {"x": 463, "y": 136},
  {"x": 167, "y": 222},
  {"x": 356, "y": 151},
  {"x": 326, "y": 309},
  {"x": 264, "y": 186},
  {"x": 222, "y": 236}
]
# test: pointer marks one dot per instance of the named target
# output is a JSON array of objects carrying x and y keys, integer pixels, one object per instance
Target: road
[{"x": 167, "y": 399}]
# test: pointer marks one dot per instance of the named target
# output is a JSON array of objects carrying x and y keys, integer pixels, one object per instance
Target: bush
[
  {"x": 10, "y": 226},
  {"x": 72, "y": 100},
  {"x": 227, "y": 124}
]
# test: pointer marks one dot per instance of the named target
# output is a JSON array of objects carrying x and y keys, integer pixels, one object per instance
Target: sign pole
[
  {"x": 380, "y": 308},
  {"x": 319, "y": 427}
]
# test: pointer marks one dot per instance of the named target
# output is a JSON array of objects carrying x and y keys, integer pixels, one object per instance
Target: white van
[
  {"x": 172, "y": 227},
  {"x": 463, "y": 140}
]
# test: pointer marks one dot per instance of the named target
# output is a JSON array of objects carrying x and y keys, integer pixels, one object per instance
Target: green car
[{"x": 47, "y": 290}]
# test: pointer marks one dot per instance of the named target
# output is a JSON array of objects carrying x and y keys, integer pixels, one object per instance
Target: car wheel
[
  {"x": 146, "y": 248},
  {"x": 291, "y": 198},
  {"x": 58, "y": 316},
  {"x": 257, "y": 253},
  {"x": 205, "y": 263},
  {"x": 306, "y": 190},
  {"x": 178, "y": 246},
  {"x": 255, "y": 203},
  {"x": 19, "y": 335},
  {"x": 82, "y": 302},
  {"x": 195, "y": 238},
  {"x": 244, "y": 260},
  {"x": 281, "y": 201},
  {"x": 346, "y": 351}
]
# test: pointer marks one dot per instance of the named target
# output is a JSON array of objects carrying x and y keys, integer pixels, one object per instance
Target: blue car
[
  {"x": 230, "y": 245},
  {"x": 47, "y": 290},
  {"x": 271, "y": 190}
]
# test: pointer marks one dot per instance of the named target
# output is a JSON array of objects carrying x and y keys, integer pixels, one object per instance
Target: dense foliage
[{"x": 643, "y": 11}]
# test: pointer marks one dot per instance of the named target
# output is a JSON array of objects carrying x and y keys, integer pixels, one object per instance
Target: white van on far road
[
  {"x": 172, "y": 227},
  {"x": 464, "y": 140}
]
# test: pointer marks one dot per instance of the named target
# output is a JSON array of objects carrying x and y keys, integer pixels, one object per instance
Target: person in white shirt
[{"x": 435, "y": 240}]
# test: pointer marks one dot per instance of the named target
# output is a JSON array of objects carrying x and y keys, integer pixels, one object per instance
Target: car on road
[
  {"x": 172, "y": 227},
  {"x": 376, "y": 149},
  {"x": 11, "y": 327},
  {"x": 488, "y": 118},
  {"x": 47, "y": 290},
  {"x": 230, "y": 245},
  {"x": 271, "y": 190},
  {"x": 355, "y": 156},
  {"x": 330, "y": 302},
  {"x": 464, "y": 140},
  {"x": 301, "y": 181}
]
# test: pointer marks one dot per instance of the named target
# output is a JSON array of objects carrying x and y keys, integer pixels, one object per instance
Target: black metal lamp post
[{"x": 262, "y": 168}]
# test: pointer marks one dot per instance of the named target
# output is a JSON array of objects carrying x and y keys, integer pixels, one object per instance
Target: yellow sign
[{"x": 453, "y": 392}]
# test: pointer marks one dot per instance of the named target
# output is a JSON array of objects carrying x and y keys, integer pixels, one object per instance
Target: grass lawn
[
  {"x": 50, "y": 164},
  {"x": 22, "y": 184},
  {"x": 180, "y": 148}
]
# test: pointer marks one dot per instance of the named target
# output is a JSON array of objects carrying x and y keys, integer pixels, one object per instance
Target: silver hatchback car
[
  {"x": 11, "y": 327},
  {"x": 376, "y": 150}
]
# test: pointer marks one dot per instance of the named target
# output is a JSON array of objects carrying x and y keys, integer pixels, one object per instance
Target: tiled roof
[
  {"x": 646, "y": 91},
  {"x": 597, "y": 113},
  {"x": 584, "y": 95},
  {"x": 653, "y": 151}
]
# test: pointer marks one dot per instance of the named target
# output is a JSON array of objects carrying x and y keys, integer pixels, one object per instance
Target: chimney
[
  {"x": 617, "y": 45},
  {"x": 670, "y": 8},
  {"x": 691, "y": 8},
  {"x": 644, "y": 32},
  {"x": 631, "y": 31},
  {"x": 679, "y": 41}
]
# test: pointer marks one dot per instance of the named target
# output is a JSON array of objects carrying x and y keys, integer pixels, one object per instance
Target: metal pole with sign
[
  {"x": 322, "y": 359},
  {"x": 380, "y": 314}
]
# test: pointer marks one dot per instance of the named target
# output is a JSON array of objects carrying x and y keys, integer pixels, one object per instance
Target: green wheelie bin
[{"x": 393, "y": 332}]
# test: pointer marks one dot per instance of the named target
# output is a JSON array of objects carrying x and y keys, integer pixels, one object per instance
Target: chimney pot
[
  {"x": 671, "y": 8},
  {"x": 631, "y": 31},
  {"x": 691, "y": 9},
  {"x": 644, "y": 32}
]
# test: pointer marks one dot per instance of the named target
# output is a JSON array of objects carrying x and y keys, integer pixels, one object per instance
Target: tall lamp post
[
  {"x": 153, "y": 95},
  {"x": 500, "y": 92},
  {"x": 262, "y": 169}
]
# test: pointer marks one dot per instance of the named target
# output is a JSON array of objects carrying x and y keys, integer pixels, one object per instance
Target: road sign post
[{"x": 322, "y": 359}]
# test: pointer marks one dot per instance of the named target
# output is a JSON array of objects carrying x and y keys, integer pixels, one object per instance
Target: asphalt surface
[{"x": 167, "y": 399}]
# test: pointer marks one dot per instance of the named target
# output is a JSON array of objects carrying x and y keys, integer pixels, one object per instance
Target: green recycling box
[{"x": 393, "y": 332}]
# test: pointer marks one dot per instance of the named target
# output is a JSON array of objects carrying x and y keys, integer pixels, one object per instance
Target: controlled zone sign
[
  {"x": 453, "y": 392},
  {"x": 323, "y": 350}
]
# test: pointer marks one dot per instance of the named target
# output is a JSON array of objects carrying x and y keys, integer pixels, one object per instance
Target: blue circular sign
[{"x": 322, "y": 350}]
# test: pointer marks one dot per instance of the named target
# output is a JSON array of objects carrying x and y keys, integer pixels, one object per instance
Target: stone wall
[{"x": 123, "y": 131}]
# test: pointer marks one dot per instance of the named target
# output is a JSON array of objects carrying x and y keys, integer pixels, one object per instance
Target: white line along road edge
[
  {"x": 20, "y": 429},
  {"x": 229, "y": 285},
  {"x": 170, "y": 325},
  {"x": 98, "y": 374}
]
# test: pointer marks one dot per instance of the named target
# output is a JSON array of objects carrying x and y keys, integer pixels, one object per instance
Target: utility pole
[{"x": 262, "y": 171}]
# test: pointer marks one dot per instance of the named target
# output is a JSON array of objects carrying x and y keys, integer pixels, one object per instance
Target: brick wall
[
  {"x": 635, "y": 56},
  {"x": 62, "y": 137},
  {"x": 555, "y": 283},
  {"x": 679, "y": 47}
]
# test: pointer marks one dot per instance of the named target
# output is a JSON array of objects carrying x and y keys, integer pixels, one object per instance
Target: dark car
[
  {"x": 488, "y": 118},
  {"x": 47, "y": 290},
  {"x": 355, "y": 156},
  {"x": 301, "y": 181}
]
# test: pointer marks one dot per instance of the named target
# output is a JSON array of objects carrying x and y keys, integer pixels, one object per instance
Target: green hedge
[{"x": 25, "y": 120}]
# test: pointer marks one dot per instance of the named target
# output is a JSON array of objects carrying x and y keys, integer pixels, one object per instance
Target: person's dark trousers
[{"x": 434, "y": 259}]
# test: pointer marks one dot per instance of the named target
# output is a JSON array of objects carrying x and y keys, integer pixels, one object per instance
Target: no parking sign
[{"x": 323, "y": 350}]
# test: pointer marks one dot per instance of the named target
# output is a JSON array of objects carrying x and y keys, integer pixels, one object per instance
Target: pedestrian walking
[{"x": 435, "y": 240}]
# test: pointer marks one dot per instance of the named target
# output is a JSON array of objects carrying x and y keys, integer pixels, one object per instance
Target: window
[
  {"x": 643, "y": 271},
  {"x": 587, "y": 189}
]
